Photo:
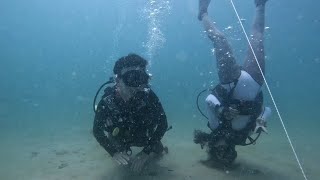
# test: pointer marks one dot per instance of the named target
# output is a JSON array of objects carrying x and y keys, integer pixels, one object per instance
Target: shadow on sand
[
  {"x": 246, "y": 170},
  {"x": 153, "y": 172}
]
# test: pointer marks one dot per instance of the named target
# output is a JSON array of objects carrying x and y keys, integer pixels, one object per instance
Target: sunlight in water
[{"x": 154, "y": 12}]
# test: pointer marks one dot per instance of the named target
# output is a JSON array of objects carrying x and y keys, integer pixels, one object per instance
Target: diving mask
[{"x": 135, "y": 78}]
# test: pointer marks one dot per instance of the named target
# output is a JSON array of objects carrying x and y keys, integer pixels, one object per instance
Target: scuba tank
[{"x": 111, "y": 80}]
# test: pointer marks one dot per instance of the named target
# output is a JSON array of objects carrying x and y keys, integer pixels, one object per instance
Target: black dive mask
[{"x": 135, "y": 78}]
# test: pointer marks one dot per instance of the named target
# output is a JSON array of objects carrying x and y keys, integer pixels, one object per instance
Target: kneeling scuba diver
[{"x": 136, "y": 121}]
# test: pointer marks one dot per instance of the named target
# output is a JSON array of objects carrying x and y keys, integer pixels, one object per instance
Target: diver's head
[{"x": 131, "y": 75}]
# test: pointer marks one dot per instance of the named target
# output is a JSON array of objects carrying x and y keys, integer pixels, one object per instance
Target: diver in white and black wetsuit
[{"x": 235, "y": 105}]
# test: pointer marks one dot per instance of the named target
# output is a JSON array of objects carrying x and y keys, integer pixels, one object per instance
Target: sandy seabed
[{"x": 75, "y": 154}]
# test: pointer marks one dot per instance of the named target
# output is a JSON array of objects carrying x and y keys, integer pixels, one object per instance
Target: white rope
[{"x": 275, "y": 105}]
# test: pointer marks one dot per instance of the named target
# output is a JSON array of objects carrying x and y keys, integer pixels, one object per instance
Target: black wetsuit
[{"x": 119, "y": 125}]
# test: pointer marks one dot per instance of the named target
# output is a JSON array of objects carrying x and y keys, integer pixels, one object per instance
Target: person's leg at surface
[
  {"x": 228, "y": 69},
  {"x": 256, "y": 40}
]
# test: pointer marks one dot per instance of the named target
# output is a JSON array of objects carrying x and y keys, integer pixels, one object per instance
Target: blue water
[{"x": 55, "y": 54}]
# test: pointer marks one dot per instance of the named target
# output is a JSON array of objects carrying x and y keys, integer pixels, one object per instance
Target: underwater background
[{"x": 54, "y": 55}]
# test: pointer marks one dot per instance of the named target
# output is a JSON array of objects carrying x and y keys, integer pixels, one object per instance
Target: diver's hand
[
  {"x": 121, "y": 158},
  {"x": 261, "y": 125},
  {"x": 140, "y": 161},
  {"x": 228, "y": 113}
]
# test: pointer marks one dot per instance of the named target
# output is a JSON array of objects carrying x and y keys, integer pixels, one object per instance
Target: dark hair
[{"x": 129, "y": 61}]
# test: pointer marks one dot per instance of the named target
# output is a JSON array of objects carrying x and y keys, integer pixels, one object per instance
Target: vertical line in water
[{"x": 265, "y": 80}]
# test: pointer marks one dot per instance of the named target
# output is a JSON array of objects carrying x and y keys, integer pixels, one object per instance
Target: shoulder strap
[{"x": 222, "y": 94}]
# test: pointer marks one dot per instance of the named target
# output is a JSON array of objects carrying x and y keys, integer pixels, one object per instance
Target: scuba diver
[
  {"x": 130, "y": 114},
  {"x": 235, "y": 105}
]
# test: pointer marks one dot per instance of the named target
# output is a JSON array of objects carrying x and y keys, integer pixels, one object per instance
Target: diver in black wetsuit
[{"x": 130, "y": 114}]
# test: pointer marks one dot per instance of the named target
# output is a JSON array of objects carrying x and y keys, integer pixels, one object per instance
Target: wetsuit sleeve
[
  {"x": 159, "y": 119},
  {"x": 99, "y": 128}
]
